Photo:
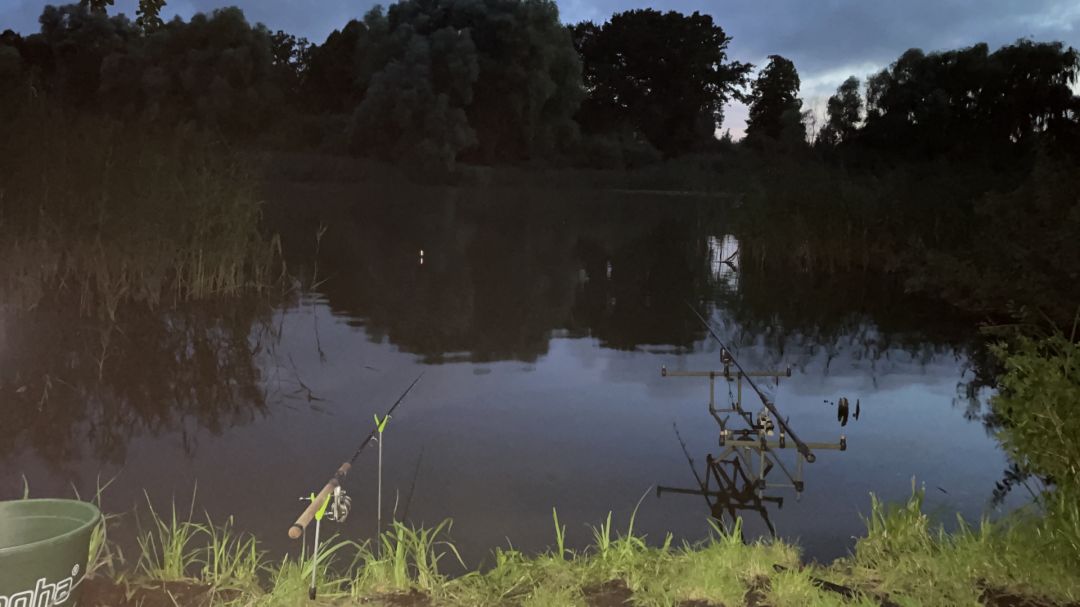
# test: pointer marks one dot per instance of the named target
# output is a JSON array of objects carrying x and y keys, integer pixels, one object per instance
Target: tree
[
  {"x": 844, "y": 111},
  {"x": 73, "y": 45},
  {"x": 215, "y": 70},
  {"x": 414, "y": 108},
  {"x": 290, "y": 57},
  {"x": 775, "y": 107},
  {"x": 507, "y": 66},
  {"x": 148, "y": 15},
  {"x": 331, "y": 79},
  {"x": 11, "y": 65},
  {"x": 529, "y": 83},
  {"x": 972, "y": 101},
  {"x": 665, "y": 75},
  {"x": 96, "y": 6}
]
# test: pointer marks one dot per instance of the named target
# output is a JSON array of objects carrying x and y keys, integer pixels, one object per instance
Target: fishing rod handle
[{"x": 308, "y": 514}]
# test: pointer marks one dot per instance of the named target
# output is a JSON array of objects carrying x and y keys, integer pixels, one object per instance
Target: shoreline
[{"x": 902, "y": 560}]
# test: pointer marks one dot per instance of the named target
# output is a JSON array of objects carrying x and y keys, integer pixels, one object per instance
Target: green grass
[
  {"x": 167, "y": 550},
  {"x": 903, "y": 557},
  {"x": 290, "y": 579},
  {"x": 408, "y": 560},
  {"x": 916, "y": 562}
]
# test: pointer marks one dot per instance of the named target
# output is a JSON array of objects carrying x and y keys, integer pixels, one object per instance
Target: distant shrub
[{"x": 614, "y": 151}]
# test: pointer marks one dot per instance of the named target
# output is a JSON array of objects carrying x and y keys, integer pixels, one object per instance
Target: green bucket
[{"x": 44, "y": 548}]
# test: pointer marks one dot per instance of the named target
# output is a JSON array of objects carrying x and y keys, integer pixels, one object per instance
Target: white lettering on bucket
[{"x": 43, "y": 594}]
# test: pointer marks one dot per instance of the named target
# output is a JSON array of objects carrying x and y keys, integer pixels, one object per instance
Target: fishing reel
[
  {"x": 340, "y": 505},
  {"x": 765, "y": 423}
]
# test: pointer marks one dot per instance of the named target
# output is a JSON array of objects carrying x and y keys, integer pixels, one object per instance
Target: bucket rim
[{"x": 94, "y": 519}]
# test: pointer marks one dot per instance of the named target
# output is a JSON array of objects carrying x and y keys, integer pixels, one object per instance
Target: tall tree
[
  {"x": 148, "y": 15},
  {"x": 215, "y": 70},
  {"x": 290, "y": 56},
  {"x": 665, "y": 75},
  {"x": 844, "y": 112},
  {"x": 529, "y": 84},
  {"x": 332, "y": 82},
  {"x": 775, "y": 107},
  {"x": 74, "y": 43},
  {"x": 11, "y": 64},
  {"x": 508, "y": 65},
  {"x": 413, "y": 110}
]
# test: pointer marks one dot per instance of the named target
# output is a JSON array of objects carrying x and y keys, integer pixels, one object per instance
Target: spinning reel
[{"x": 340, "y": 505}]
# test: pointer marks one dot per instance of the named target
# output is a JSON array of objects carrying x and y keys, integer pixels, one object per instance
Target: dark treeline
[
  {"x": 437, "y": 81},
  {"x": 421, "y": 82}
]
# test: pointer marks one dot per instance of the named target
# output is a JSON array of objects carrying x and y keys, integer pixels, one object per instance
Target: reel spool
[
  {"x": 340, "y": 505},
  {"x": 765, "y": 423}
]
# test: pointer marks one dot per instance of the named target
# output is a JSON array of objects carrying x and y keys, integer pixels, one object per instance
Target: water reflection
[
  {"x": 724, "y": 261},
  {"x": 501, "y": 272},
  {"x": 541, "y": 321},
  {"x": 729, "y": 492},
  {"x": 74, "y": 387},
  {"x": 752, "y": 461}
]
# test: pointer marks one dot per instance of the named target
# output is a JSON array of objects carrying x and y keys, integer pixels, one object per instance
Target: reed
[
  {"x": 112, "y": 212},
  {"x": 167, "y": 551},
  {"x": 408, "y": 560},
  {"x": 290, "y": 578},
  {"x": 230, "y": 560}
]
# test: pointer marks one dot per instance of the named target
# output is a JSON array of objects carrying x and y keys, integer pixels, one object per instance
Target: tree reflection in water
[
  {"x": 503, "y": 269},
  {"x": 69, "y": 382}
]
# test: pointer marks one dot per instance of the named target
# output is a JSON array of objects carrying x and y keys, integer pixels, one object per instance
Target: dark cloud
[{"x": 827, "y": 39}]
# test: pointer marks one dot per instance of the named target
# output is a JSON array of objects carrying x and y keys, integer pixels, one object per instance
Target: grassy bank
[{"x": 902, "y": 560}]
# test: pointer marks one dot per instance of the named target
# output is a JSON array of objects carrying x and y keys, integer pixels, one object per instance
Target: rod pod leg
[{"x": 315, "y": 561}]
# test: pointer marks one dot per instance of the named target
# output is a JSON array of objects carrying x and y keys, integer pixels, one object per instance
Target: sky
[{"x": 828, "y": 40}]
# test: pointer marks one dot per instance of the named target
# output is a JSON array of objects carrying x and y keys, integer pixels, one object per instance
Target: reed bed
[{"x": 109, "y": 212}]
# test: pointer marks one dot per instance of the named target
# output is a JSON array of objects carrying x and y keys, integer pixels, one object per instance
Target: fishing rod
[
  {"x": 799, "y": 445},
  {"x": 318, "y": 501}
]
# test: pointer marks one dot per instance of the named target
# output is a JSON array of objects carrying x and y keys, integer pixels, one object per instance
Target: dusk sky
[{"x": 828, "y": 39}]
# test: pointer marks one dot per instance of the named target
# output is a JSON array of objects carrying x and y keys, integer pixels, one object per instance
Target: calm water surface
[{"x": 541, "y": 323}]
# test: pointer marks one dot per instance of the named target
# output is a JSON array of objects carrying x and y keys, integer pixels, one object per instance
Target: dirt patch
[
  {"x": 103, "y": 592},
  {"x": 616, "y": 594},
  {"x": 757, "y": 591},
  {"x": 609, "y": 594},
  {"x": 411, "y": 599}
]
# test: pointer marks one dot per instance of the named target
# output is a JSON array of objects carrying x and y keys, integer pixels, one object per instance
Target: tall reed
[{"x": 112, "y": 212}]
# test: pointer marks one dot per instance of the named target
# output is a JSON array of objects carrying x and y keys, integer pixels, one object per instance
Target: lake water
[{"x": 540, "y": 323}]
